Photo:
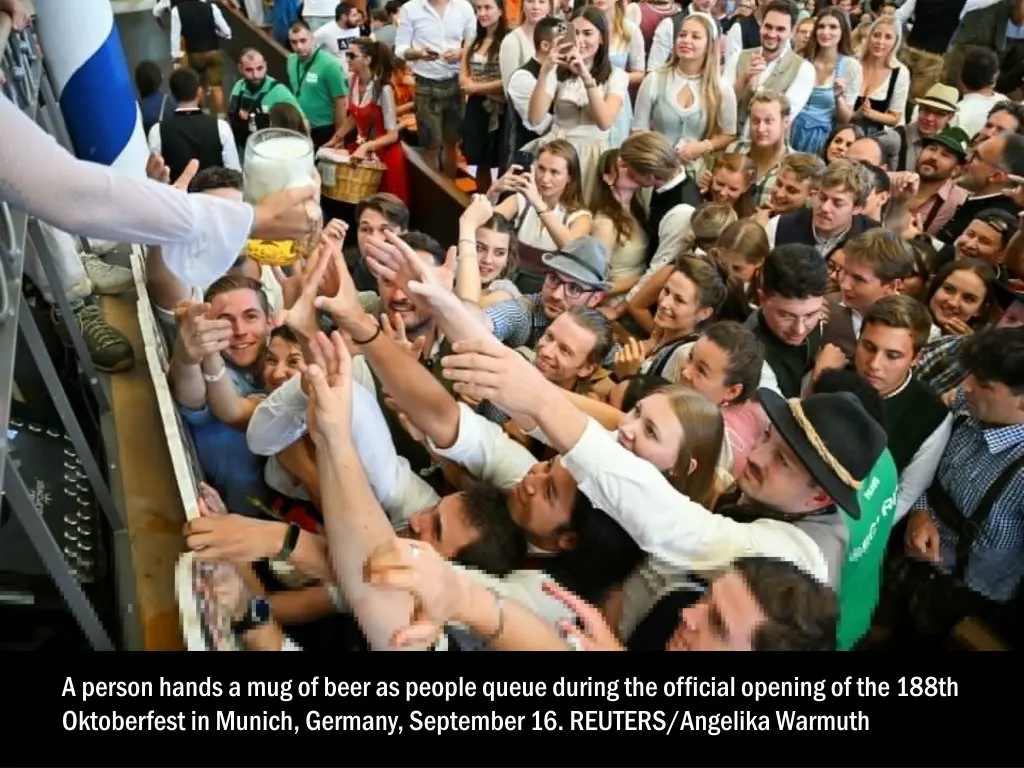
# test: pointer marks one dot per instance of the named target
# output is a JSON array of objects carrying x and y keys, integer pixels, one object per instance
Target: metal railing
[{"x": 26, "y": 83}]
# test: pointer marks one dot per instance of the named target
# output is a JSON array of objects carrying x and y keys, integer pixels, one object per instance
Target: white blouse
[
  {"x": 572, "y": 92},
  {"x": 532, "y": 231},
  {"x": 516, "y": 49},
  {"x": 667, "y": 85},
  {"x": 900, "y": 93},
  {"x": 636, "y": 59}
]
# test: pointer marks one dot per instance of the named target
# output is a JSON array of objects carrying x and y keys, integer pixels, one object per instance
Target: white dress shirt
[
  {"x": 798, "y": 92},
  {"x": 223, "y": 30},
  {"x": 201, "y": 235},
  {"x": 972, "y": 111},
  {"x": 520, "y": 88},
  {"x": 422, "y": 26}
]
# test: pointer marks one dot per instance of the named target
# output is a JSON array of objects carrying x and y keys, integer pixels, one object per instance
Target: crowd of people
[{"x": 728, "y": 354}]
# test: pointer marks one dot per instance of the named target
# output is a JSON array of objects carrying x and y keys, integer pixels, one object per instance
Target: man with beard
[
  {"x": 1005, "y": 117},
  {"x": 938, "y": 195},
  {"x": 806, "y": 495},
  {"x": 902, "y": 144},
  {"x": 986, "y": 177},
  {"x": 252, "y": 97},
  {"x": 574, "y": 278}
]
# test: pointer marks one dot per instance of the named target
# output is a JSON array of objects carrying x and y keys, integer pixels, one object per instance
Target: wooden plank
[
  {"x": 245, "y": 34},
  {"x": 152, "y": 502},
  {"x": 435, "y": 203}
]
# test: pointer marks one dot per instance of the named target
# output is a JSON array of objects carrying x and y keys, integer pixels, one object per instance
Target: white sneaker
[
  {"x": 80, "y": 290},
  {"x": 107, "y": 279}
]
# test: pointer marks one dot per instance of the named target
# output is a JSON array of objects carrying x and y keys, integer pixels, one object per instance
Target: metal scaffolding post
[{"x": 24, "y": 80}]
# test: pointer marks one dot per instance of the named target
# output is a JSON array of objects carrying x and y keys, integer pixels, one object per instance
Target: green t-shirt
[
  {"x": 317, "y": 83},
  {"x": 272, "y": 91},
  {"x": 861, "y": 575}
]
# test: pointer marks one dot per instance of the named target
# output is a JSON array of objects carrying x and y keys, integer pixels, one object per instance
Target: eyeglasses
[{"x": 573, "y": 290}]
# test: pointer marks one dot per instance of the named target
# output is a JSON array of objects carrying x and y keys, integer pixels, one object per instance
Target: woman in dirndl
[
  {"x": 373, "y": 112},
  {"x": 836, "y": 85}
]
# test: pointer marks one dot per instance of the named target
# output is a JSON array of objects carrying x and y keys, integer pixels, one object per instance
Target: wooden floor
[{"x": 152, "y": 503}]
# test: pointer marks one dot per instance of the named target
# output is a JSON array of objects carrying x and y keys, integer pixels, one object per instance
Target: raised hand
[
  {"x": 329, "y": 384},
  {"x": 590, "y": 632},
  {"x": 419, "y": 570},
  {"x": 339, "y": 295},
  {"x": 629, "y": 359},
  {"x": 199, "y": 333},
  {"x": 301, "y": 289},
  {"x": 485, "y": 369},
  {"x": 397, "y": 334}
]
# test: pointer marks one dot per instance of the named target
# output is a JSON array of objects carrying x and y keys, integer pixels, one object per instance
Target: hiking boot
[
  {"x": 107, "y": 279},
  {"x": 109, "y": 349}
]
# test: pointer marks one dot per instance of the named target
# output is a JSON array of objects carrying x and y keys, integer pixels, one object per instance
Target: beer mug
[{"x": 277, "y": 159}]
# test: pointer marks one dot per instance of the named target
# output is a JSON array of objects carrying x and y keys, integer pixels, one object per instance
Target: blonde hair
[
  {"x": 705, "y": 226},
  {"x": 710, "y": 89},
  {"x": 804, "y": 167},
  {"x": 850, "y": 176},
  {"x": 703, "y": 433},
  {"x": 748, "y": 239},
  {"x": 862, "y": 50},
  {"x": 772, "y": 97}
]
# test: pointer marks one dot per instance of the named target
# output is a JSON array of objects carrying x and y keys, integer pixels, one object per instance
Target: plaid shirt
[
  {"x": 973, "y": 459},
  {"x": 761, "y": 192},
  {"x": 519, "y": 322},
  {"x": 939, "y": 366}
]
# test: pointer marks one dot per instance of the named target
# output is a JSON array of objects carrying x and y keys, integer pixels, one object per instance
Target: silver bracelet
[{"x": 499, "y": 603}]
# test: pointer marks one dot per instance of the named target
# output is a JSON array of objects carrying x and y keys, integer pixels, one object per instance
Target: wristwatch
[{"x": 255, "y": 616}]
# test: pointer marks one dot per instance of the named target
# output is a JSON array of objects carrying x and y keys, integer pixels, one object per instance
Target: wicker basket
[{"x": 350, "y": 182}]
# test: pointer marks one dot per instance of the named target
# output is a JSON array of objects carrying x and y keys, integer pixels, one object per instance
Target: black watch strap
[
  {"x": 291, "y": 539},
  {"x": 255, "y": 616}
]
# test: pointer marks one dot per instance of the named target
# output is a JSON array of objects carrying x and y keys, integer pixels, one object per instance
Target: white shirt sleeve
[
  {"x": 280, "y": 420},
  {"x": 673, "y": 227},
  {"x": 906, "y": 11},
  {"x": 153, "y": 139},
  {"x": 201, "y": 235},
  {"x": 228, "y": 148},
  {"x": 661, "y": 45},
  {"x": 732, "y": 63},
  {"x": 854, "y": 76},
  {"x": 175, "y": 34},
  {"x": 388, "y": 109},
  {"x": 919, "y": 473},
  {"x": 770, "y": 229},
  {"x": 520, "y": 89},
  {"x": 635, "y": 60},
  {"x": 734, "y": 42},
  {"x": 645, "y": 98},
  {"x": 633, "y": 13},
  {"x": 486, "y": 451},
  {"x": 403, "y": 36},
  {"x": 510, "y": 57},
  {"x": 668, "y": 525},
  {"x": 901, "y": 92},
  {"x": 223, "y": 30},
  {"x": 800, "y": 91},
  {"x": 728, "y": 111}
]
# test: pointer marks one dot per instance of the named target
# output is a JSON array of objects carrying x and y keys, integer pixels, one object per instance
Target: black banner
[{"x": 479, "y": 709}]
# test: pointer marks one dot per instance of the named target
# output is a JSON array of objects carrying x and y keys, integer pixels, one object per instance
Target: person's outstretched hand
[
  {"x": 291, "y": 214},
  {"x": 485, "y": 369},
  {"x": 434, "y": 585},
  {"x": 590, "y": 632},
  {"x": 329, "y": 384}
]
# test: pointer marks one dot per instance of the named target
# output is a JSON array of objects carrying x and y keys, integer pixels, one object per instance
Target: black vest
[
  {"x": 198, "y": 27},
  {"x": 798, "y": 227},
  {"x": 935, "y": 23},
  {"x": 750, "y": 30},
  {"x": 518, "y": 133},
  {"x": 188, "y": 135},
  {"x": 789, "y": 363},
  {"x": 912, "y": 416},
  {"x": 685, "y": 192}
]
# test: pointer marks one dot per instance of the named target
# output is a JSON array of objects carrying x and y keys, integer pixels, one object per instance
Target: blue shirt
[
  {"x": 155, "y": 108},
  {"x": 227, "y": 463}
]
